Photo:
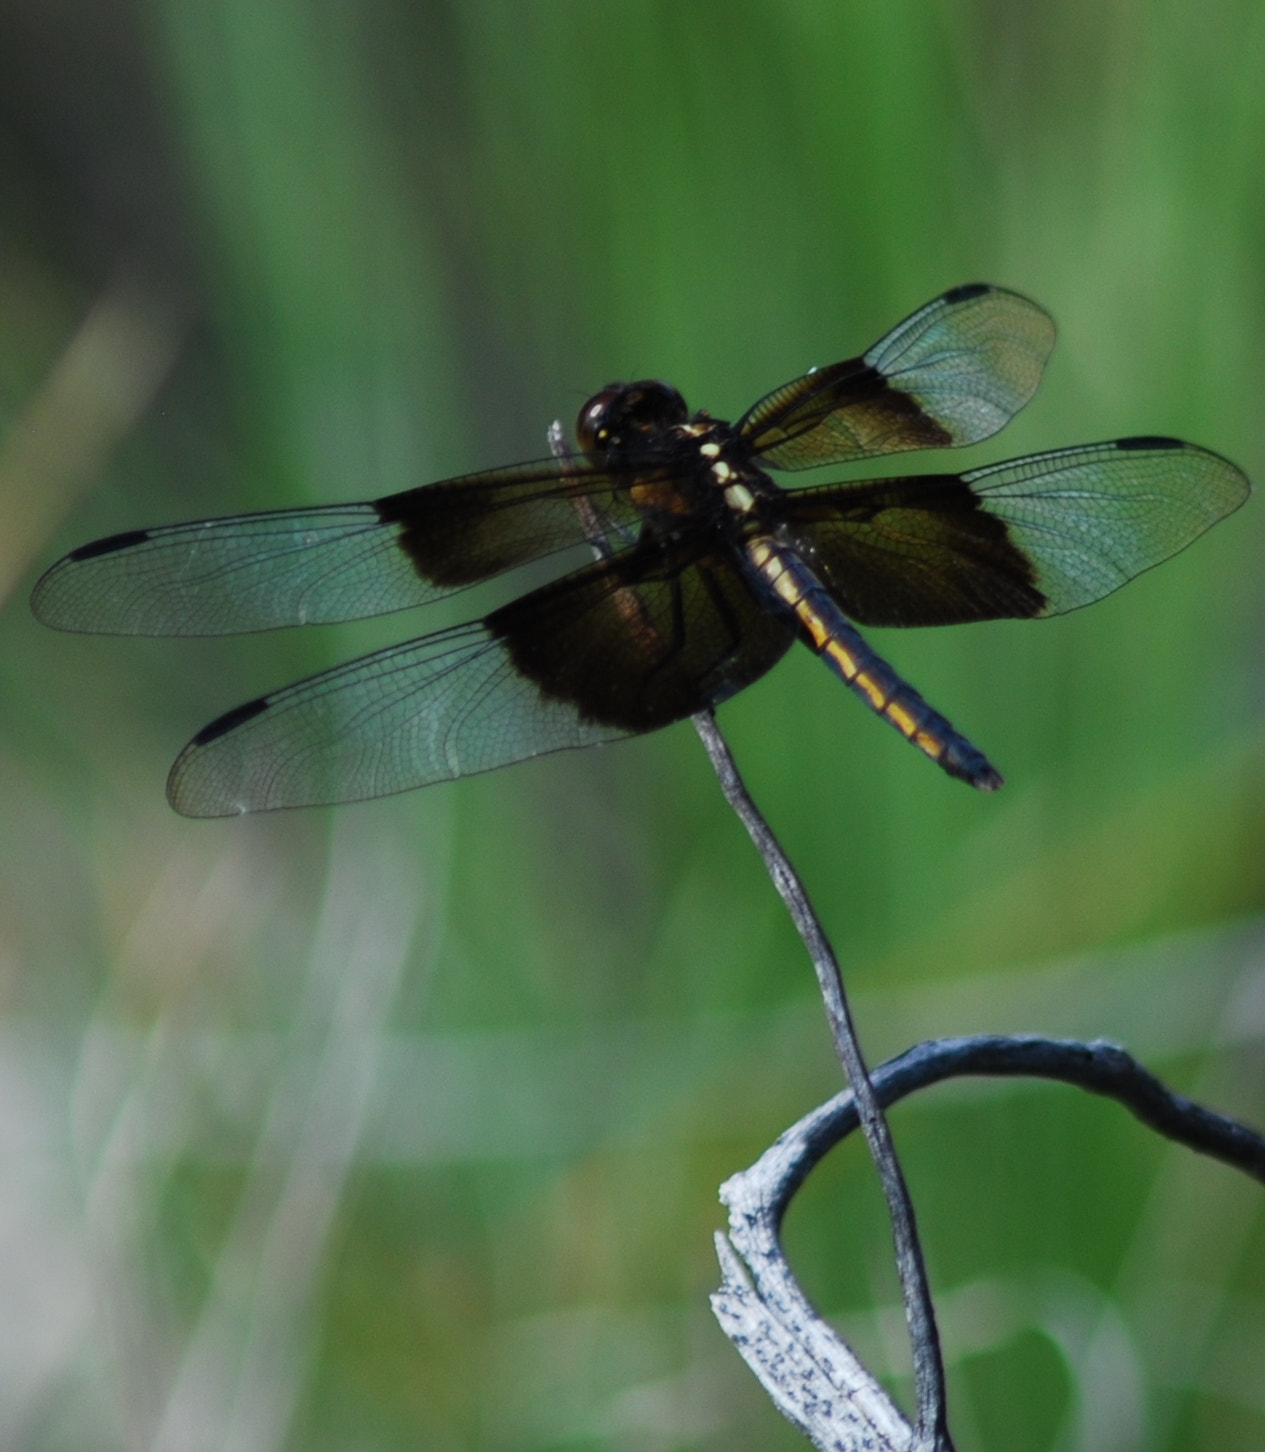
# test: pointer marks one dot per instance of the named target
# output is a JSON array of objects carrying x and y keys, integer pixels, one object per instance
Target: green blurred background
[{"x": 400, "y": 1125}]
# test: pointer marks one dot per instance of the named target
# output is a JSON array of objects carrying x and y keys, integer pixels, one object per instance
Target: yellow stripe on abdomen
[{"x": 845, "y": 650}]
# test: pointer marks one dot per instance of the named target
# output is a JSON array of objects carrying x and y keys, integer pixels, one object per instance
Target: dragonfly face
[
  {"x": 626, "y": 417},
  {"x": 705, "y": 570}
]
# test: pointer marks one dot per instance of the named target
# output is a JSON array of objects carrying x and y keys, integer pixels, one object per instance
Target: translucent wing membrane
[
  {"x": 224, "y": 576},
  {"x": 1094, "y": 517},
  {"x": 607, "y": 652},
  {"x": 339, "y": 562},
  {"x": 953, "y": 373},
  {"x": 448, "y": 705},
  {"x": 1034, "y": 536}
]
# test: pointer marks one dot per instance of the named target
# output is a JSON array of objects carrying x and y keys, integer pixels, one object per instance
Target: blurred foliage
[{"x": 400, "y": 1125}]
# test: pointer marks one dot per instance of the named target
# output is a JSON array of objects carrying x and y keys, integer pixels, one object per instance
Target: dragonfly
[{"x": 700, "y": 573}]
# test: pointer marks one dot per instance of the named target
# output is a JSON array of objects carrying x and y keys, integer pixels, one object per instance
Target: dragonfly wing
[
  {"x": 622, "y": 647},
  {"x": 1094, "y": 517},
  {"x": 953, "y": 373},
  {"x": 338, "y": 562},
  {"x": 1034, "y": 536}
]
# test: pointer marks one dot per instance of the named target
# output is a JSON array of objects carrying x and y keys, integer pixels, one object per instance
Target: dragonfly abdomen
[{"x": 838, "y": 642}]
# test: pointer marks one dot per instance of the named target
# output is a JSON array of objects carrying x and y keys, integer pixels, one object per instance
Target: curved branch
[
  {"x": 1100, "y": 1067},
  {"x": 811, "y": 1374}
]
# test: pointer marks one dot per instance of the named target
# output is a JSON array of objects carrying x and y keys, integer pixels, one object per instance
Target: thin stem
[{"x": 930, "y": 1394}]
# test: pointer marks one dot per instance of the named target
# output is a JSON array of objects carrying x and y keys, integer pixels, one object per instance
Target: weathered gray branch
[{"x": 809, "y": 1372}]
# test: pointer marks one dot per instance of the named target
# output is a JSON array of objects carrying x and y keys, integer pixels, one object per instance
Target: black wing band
[
  {"x": 618, "y": 648},
  {"x": 1034, "y": 536},
  {"x": 338, "y": 562},
  {"x": 953, "y": 373}
]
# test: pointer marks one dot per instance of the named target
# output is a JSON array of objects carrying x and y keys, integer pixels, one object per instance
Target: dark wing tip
[
  {"x": 111, "y": 544},
  {"x": 54, "y": 600},
  {"x": 1150, "y": 441},
  {"x": 965, "y": 291},
  {"x": 229, "y": 721},
  {"x": 187, "y": 790}
]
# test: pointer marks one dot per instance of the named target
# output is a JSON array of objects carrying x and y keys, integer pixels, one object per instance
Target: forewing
[
  {"x": 953, "y": 373},
  {"x": 339, "y": 562},
  {"x": 605, "y": 653},
  {"x": 1034, "y": 536}
]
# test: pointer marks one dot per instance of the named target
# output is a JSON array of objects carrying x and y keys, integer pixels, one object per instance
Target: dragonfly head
[{"x": 628, "y": 416}]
